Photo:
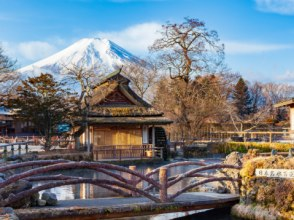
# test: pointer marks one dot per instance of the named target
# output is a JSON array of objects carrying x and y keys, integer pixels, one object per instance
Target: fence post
[
  {"x": 19, "y": 149},
  {"x": 5, "y": 152},
  {"x": 163, "y": 184},
  {"x": 133, "y": 180},
  {"x": 141, "y": 152},
  {"x": 12, "y": 149},
  {"x": 27, "y": 148}
]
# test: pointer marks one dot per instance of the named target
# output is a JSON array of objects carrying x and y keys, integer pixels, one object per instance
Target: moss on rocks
[{"x": 274, "y": 197}]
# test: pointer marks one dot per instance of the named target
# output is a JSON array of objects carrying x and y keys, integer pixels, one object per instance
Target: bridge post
[
  {"x": 163, "y": 184},
  {"x": 133, "y": 180}
]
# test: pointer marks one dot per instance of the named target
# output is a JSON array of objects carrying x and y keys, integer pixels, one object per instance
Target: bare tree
[
  {"x": 7, "y": 65},
  {"x": 143, "y": 76},
  {"x": 83, "y": 80},
  {"x": 188, "y": 49},
  {"x": 8, "y": 76},
  {"x": 263, "y": 97},
  {"x": 206, "y": 102},
  {"x": 274, "y": 93}
]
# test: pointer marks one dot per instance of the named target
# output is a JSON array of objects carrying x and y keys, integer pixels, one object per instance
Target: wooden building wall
[{"x": 103, "y": 136}]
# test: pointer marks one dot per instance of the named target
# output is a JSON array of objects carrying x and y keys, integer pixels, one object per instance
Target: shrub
[{"x": 243, "y": 147}]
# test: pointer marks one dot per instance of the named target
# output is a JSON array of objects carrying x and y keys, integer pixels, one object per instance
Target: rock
[
  {"x": 220, "y": 189},
  {"x": 273, "y": 196},
  {"x": 15, "y": 188},
  {"x": 50, "y": 198},
  {"x": 34, "y": 199},
  {"x": 41, "y": 202},
  {"x": 234, "y": 158},
  {"x": 22, "y": 203},
  {"x": 7, "y": 213},
  {"x": 6, "y": 210},
  {"x": 17, "y": 158}
]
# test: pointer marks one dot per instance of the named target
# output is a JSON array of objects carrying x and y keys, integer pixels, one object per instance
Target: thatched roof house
[{"x": 120, "y": 119}]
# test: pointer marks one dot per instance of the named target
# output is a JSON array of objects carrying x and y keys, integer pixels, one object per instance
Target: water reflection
[{"x": 89, "y": 191}]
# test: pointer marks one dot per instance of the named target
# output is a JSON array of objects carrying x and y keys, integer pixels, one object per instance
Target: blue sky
[{"x": 258, "y": 34}]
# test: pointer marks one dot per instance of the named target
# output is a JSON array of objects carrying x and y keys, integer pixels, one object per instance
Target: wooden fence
[
  {"x": 240, "y": 136},
  {"x": 11, "y": 149}
]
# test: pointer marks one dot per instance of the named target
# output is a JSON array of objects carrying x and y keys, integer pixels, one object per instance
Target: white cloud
[
  {"x": 30, "y": 51},
  {"x": 135, "y": 38},
  {"x": 287, "y": 77},
  {"x": 35, "y": 50},
  {"x": 236, "y": 47},
  {"x": 276, "y": 6}
]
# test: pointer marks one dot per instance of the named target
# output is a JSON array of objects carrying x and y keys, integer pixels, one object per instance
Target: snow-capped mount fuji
[{"x": 87, "y": 52}]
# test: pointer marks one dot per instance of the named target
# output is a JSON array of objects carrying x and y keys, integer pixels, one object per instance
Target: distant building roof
[{"x": 289, "y": 102}]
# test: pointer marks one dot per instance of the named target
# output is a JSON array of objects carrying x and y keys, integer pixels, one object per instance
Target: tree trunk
[
  {"x": 77, "y": 135},
  {"x": 77, "y": 142}
]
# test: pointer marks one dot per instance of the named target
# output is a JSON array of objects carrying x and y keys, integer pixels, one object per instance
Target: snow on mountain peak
[{"x": 87, "y": 52}]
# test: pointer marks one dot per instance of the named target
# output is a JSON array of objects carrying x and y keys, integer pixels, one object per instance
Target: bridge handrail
[
  {"x": 64, "y": 177},
  {"x": 71, "y": 165},
  {"x": 216, "y": 179},
  {"x": 31, "y": 163},
  {"x": 101, "y": 183},
  {"x": 181, "y": 163},
  {"x": 200, "y": 169},
  {"x": 191, "y": 173}
]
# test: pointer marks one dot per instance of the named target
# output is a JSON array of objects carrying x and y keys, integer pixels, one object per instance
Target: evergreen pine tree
[
  {"x": 241, "y": 97},
  {"x": 45, "y": 102}
]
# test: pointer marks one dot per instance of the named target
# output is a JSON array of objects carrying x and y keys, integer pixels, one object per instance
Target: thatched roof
[
  {"x": 129, "y": 120},
  {"x": 117, "y": 76},
  {"x": 116, "y": 82},
  {"x": 114, "y": 102},
  {"x": 124, "y": 111}
]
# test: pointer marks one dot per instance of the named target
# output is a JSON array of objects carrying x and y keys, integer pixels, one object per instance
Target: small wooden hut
[
  {"x": 288, "y": 103},
  {"x": 121, "y": 124}
]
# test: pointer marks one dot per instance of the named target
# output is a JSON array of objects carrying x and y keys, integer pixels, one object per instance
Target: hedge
[{"x": 243, "y": 147}]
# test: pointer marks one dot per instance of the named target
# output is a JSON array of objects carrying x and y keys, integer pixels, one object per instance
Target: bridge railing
[
  {"x": 123, "y": 186},
  {"x": 166, "y": 182}
]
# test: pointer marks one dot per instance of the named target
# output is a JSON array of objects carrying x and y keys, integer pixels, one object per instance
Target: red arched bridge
[{"x": 126, "y": 187}]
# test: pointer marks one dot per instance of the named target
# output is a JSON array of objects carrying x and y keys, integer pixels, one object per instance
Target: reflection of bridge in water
[{"x": 142, "y": 194}]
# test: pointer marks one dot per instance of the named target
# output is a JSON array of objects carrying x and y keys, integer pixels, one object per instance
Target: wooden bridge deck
[{"x": 107, "y": 208}]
